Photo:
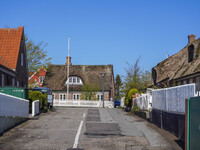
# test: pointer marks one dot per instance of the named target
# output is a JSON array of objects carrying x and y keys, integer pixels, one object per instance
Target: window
[
  {"x": 13, "y": 82},
  {"x": 100, "y": 97},
  {"x": 76, "y": 96},
  {"x": 17, "y": 83},
  {"x": 179, "y": 83},
  {"x": 22, "y": 59},
  {"x": 41, "y": 79},
  {"x": 74, "y": 80},
  {"x": 184, "y": 82},
  {"x": 62, "y": 97},
  {"x": 2, "y": 80},
  {"x": 190, "y": 53},
  {"x": 191, "y": 80}
]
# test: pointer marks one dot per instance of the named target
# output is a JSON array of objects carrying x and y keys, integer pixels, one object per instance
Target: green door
[{"x": 194, "y": 123}]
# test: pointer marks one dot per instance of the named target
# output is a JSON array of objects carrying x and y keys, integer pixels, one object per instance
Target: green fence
[
  {"x": 192, "y": 123},
  {"x": 17, "y": 92}
]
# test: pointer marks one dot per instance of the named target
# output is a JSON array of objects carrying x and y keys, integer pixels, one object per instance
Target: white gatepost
[{"x": 35, "y": 108}]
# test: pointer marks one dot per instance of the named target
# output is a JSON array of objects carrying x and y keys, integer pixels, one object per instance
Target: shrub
[
  {"x": 36, "y": 95},
  {"x": 128, "y": 98}
]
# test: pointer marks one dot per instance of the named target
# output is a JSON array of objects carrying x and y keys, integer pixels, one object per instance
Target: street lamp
[{"x": 103, "y": 75}]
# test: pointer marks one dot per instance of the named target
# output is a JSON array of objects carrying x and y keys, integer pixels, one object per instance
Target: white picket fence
[
  {"x": 172, "y": 99},
  {"x": 35, "y": 108},
  {"x": 13, "y": 106},
  {"x": 83, "y": 103},
  {"x": 144, "y": 102}
]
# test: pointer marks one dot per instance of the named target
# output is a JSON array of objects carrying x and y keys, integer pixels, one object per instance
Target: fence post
[{"x": 161, "y": 123}]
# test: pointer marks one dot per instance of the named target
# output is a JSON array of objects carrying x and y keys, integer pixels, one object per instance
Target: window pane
[
  {"x": 64, "y": 96},
  {"x": 78, "y": 97},
  {"x": 61, "y": 97},
  {"x": 78, "y": 80},
  {"x": 70, "y": 80},
  {"x": 74, "y": 79},
  {"x": 74, "y": 96}
]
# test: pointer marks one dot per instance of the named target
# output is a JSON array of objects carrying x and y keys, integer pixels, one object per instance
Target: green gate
[
  {"x": 193, "y": 123},
  {"x": 14, "y": 91}
]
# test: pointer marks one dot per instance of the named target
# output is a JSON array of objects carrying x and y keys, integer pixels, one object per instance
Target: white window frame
[
  {"x": 62, "y": 97},
  {"x": 76, "y": 96},
  {"x": 22, "y": 59},
  {"x": 2, "y": 80},
  {"x": 99, "y": 97},
  {"x": 74, "y": 80}
]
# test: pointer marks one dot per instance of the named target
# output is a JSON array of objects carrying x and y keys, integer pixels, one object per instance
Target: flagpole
[{"x": 68, "y": 71}]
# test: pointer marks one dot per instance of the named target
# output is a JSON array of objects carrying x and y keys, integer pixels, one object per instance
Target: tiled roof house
[
  {"x": 181, "y": 68},
  {"x": 79, "y": 75},
  {"x": 36, "y": 78},
  {"x": 13, "y": 61}
]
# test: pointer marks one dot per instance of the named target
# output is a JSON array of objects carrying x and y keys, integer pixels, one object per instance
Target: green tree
[
  {"x": 118, "y": 84},
  {"x": 136, "y": 78},
  {"x": 36, "y": 55},
  {"x": 89, "y": 92}
]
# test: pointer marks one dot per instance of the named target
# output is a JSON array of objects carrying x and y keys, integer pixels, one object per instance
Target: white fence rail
[
  {"x": 35, "y": 108},
  {"x": 172, "y": 99},
  {"x": 82, "y": 103},
  {"x": 144, "y": 102},
  {"x": 13, "y": 106}
]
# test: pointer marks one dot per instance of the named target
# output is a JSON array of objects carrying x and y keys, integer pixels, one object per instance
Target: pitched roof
[
  {"x": 10, "y": 40},
  {"x": 90, "y": 74},
  {"x": 177, "y": 66}
]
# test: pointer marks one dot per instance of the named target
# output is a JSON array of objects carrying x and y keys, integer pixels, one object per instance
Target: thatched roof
[
  {"x": 90, "y": 74},
  {"x": 177, "y": 66}
]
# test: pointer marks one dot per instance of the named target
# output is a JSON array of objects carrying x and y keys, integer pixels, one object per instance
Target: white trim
[{"x": 74, "y": 83}]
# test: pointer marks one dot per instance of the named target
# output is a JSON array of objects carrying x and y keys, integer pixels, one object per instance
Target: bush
[
  {"x": 135, "y": 108},
  {"x": 128, "y": 98},
  {"x": 36, "y": 95}
]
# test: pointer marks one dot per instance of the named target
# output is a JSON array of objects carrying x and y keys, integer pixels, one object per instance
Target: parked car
[{"x": 117, "y": 103}]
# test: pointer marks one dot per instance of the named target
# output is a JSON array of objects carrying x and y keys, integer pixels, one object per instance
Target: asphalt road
[{"x": 88, "y": 129}]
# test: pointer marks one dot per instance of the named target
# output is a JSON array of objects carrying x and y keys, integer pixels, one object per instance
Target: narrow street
[{"x": 85, "y": 128}]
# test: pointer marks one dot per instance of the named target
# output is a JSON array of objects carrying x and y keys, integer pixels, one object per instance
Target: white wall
[
  {"x": 172, "y": 99},
  {"x": 144, "y": 102},
  {"x": 13, "y": 106}
]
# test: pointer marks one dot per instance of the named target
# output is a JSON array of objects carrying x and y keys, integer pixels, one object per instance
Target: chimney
[
  {"x": 191, "y": 38},
  {"x": 69, "y": 61}
]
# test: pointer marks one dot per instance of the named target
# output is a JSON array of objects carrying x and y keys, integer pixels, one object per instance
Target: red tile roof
[{"x": 10, "y": 40}]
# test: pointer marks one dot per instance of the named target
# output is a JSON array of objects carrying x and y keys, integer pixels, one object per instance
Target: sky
[{"x": 106, "y": 31}]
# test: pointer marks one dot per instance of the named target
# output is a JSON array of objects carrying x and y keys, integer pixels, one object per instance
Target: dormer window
[
  {"x": 190, "y": 53},
  {"x": 74, "y": 80}
]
